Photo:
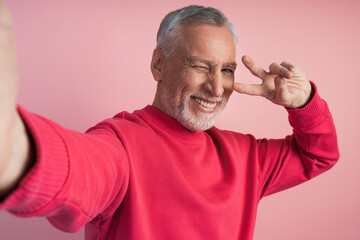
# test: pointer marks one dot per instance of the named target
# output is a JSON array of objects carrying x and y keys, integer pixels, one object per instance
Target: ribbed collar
[{"x": 162, "y": 122}]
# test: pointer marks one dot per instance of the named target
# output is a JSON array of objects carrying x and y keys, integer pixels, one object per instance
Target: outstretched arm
[
  {"x": 14, "y": 142},
  {"x": 284, "y": 84}
]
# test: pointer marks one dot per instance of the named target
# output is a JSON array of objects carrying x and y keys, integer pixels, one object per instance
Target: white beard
[{"x": 182, "y": 114}]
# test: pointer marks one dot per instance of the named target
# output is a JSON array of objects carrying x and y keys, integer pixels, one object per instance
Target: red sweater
[{"x": 143, "y": 176}]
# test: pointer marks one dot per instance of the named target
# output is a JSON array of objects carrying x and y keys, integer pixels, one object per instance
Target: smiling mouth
[{"x": 205, "y": 103}]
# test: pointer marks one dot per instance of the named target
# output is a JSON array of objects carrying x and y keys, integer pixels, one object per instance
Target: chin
[{"x": 201, "y": 122}]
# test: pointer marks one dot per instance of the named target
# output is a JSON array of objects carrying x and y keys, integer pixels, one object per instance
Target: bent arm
[
  {"x": 309, "y": 151},
  {"x": 312, "y": 148}
]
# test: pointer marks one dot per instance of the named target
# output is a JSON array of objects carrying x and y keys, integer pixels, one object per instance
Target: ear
[{"x": 157, "y": 64}]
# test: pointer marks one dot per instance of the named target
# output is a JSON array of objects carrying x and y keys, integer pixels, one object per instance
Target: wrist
[
  {"x": 309, "y": 114},
  {"x": 15, "y": 157}
]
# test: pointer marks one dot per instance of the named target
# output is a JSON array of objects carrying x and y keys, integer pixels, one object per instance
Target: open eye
[{"x": 228, "y": 70}]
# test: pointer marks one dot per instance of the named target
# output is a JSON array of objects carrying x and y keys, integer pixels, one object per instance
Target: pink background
[{"x": 83, "y": 61}]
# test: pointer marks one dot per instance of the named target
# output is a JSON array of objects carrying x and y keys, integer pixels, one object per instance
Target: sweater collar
[{"x": 165, "y": 123}]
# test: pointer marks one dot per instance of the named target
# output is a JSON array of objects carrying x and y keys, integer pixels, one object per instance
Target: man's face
[{"x": 197, "y": 79}]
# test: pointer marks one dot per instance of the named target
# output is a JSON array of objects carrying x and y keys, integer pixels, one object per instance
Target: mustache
[{"x": 207, "y": 97}]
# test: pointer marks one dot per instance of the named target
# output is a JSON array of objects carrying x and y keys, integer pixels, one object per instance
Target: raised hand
[
  {"x": 8, "y": 66},
  {"x": 284, "y": 84},
  {"x": 14, "y": 141}
]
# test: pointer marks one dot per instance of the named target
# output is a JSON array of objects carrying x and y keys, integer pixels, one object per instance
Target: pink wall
[{"x": 82, "y": 61}]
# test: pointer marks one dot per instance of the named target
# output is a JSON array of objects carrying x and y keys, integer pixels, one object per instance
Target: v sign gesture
[{"x": 284, "y": 84}]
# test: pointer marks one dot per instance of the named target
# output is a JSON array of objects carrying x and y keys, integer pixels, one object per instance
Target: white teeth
[{"x": 205, "y": 104}]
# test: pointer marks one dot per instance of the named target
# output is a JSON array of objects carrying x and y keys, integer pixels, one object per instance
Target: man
[{"x": 164, "y": 172}]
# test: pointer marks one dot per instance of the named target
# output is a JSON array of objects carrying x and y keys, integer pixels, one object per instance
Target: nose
[{"x": 215, "y": 84}]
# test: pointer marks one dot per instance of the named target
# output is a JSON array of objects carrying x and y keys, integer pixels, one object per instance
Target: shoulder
[{"x": 123, "y": 123}]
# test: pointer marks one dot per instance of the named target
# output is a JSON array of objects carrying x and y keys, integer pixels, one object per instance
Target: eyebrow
[
  {"x": 230, "y": 65},
  {"x": 193, "y": 59}
]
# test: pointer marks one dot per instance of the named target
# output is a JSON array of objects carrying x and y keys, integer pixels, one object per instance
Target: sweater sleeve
[
  {"x": 309, "y": 151},
  {"x": 76, "y": 177}
]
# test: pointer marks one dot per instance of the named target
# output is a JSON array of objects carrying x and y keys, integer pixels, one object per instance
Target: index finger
[{"x": 255, "y": 69}]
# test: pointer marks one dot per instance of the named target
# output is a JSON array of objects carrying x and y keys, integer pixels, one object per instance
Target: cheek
[
  {"x": 228, "y": 90},
  {"x": 191, "y": 81},
  {"x": 228, "y": 93}
]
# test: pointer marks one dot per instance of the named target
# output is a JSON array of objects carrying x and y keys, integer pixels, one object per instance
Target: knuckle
[{"x": 273, "y": 66}]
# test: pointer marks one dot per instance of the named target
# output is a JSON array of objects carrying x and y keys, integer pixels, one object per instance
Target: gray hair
[{"x": 170, "y": 27}]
